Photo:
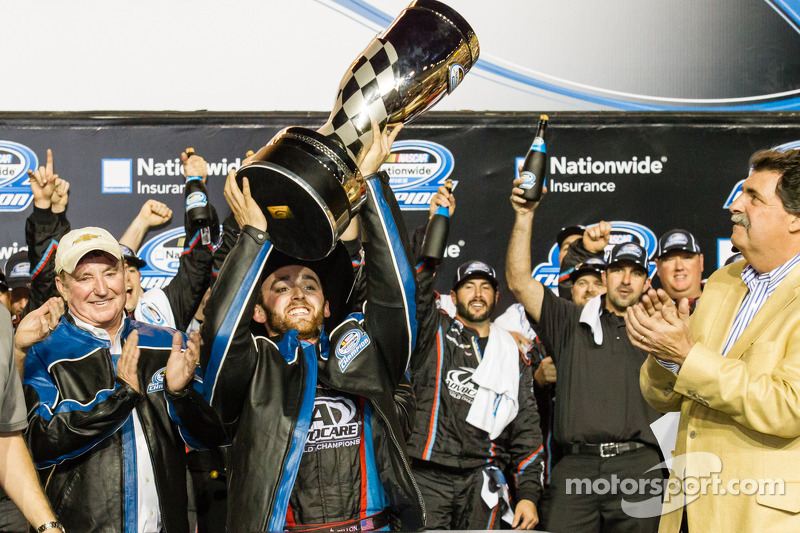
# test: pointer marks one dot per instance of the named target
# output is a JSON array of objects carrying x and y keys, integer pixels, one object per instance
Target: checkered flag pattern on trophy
[{"x": 366, "y": 93}]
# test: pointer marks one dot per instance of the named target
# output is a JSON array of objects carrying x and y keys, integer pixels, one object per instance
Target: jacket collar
[{"x": 784, "y": 294}]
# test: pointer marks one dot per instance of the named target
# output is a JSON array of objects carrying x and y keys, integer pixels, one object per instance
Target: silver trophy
[{"x": 307, "y": 182}]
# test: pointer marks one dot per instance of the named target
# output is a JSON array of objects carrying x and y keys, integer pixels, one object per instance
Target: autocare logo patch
[
  {"x": 622, "y": 231},
  {"x": 416, "y": 170},
  {"x": 335, "y": 423},
  {"x": 162, "y": 254},
  {"x": 352, "y": 343},
  {"x": 460, "y": 385},
  {"x": 15, "y": 189}
]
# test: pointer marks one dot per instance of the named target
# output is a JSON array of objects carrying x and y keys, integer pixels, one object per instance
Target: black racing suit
[
  {"x": 441, "y": 368},
  {"x": 81, "y": 428},
  {"x": 269, "y": 391}
]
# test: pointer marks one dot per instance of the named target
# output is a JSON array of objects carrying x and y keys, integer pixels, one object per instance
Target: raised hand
[
  {"x": 155, "y": 213},
  {"x": 35, "y": 327},
  {"x": 182, "y": 364},
  {"x": 194, "y": 165},
  {"x": 245, "y": 209},
  {"x": 443, "y": 198},
  {"x": 60, "y": 196},
  {"x": 43, "y": 183},
  {"x": 128, "y": 362},
  {"x": 520, "y": 204},
  {"x": 597, "y": 237},
  {"x": 374, "y": 155}
]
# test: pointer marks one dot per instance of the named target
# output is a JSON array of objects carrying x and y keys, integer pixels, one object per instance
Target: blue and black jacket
[
  {"x": 81, "y": 433},
  {"x": 264, "y": 388}
]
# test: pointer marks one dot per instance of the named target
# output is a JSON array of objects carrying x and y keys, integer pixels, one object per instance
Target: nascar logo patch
[{"x": 353, "y": 343}]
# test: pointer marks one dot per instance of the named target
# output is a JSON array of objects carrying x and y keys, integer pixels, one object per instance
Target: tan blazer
[{"x": 740, "y": 414}]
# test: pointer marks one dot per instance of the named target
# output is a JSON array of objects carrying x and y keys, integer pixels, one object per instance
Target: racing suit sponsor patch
[
  {"x": 353, "y": 343},
  {"x": 335, "y": 424},
  {"x": 157, "y": 381},
  {"x": 460, "y": 385}
]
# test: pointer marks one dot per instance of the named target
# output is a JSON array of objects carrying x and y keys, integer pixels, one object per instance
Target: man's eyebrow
[{"x": 751, "y": 191}]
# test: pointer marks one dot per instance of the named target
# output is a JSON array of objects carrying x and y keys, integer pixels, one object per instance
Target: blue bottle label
[{"x": 538, "y": 145}]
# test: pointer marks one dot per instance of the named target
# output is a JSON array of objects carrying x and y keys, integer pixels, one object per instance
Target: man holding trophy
[{"x": 313, "y": 397}]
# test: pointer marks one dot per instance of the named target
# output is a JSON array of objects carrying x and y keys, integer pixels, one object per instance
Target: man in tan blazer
[{"x": 737, "y": 456}]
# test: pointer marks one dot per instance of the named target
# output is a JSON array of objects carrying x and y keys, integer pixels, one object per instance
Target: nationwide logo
[
  {"x": 162, "y": 254},
  {"x": 15, "y": 188},
  {"x": 589, "y": 166},
  {"x": 335, "y": 423},
  {"x": 621, "y": 231},
  {"x": 416, "y": 170},
  {"x": 460, "y": 385},
  {"x": 150, "y": 174}
]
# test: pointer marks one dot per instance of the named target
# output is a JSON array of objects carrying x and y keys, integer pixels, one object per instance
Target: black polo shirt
[{"x": 598, "y": 397}]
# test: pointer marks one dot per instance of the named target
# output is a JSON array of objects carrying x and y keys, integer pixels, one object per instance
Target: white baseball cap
[{"x": 79, "y": 242}]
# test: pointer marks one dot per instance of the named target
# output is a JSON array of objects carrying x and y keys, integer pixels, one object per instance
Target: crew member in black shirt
[{"x": 601, "y": 419}]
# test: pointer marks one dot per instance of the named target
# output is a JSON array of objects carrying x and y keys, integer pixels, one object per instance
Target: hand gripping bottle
[
  {"x": 436, "y": 233},
  {"x": 198, "y": 210},
  {"x": 535, "y": 166}
]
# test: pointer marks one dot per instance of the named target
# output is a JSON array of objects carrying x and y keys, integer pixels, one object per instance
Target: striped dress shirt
[{"x": 761, "y": 287}]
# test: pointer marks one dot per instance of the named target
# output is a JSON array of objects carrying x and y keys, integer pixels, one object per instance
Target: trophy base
[{"x": 307, "y": 188}]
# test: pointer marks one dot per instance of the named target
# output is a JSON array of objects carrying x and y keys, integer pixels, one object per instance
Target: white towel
[
  {"x": 515, "y": 319},
  {"x": 591, "y": 317},
  {"x": 497, "y": 376}
]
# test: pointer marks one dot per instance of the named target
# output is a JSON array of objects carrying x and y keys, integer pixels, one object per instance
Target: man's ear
[
  {"x": 646, "y": 285},
  {"x": 259, "y": 315},
  {"x": 794, "y": 225},
  {"x": 61, "y": 288},
  {"x": 453, "y": 297},
  {"x": 327, "y": 311}
]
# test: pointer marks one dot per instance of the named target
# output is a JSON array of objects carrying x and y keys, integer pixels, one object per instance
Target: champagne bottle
[
  {"x": 535, "y": 166},
  {"x": 435, "y": 240},
  {"x": 198, "y": 209}
]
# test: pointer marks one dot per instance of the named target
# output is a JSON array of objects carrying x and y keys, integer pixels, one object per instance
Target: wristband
[{"x": 50, "y": 525}]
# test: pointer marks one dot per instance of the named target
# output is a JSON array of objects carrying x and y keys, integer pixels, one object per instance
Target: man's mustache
[{"x": 742, "y": 220}]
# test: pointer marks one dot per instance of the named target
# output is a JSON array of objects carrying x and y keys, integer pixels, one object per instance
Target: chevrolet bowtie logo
[{"x": 87, "y": 237}]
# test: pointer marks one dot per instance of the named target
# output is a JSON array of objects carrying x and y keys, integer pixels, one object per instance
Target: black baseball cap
[
  {"x": 677, "y": 239},
  {"x": 474, "y": 269},
  {"x": 568, "y": 232},
  {"x": 593, "y": 265},
  {"x": 131, "y": 258},
  {"x": 628, "y": 251},
  {"x": 18, "y": 270}
]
